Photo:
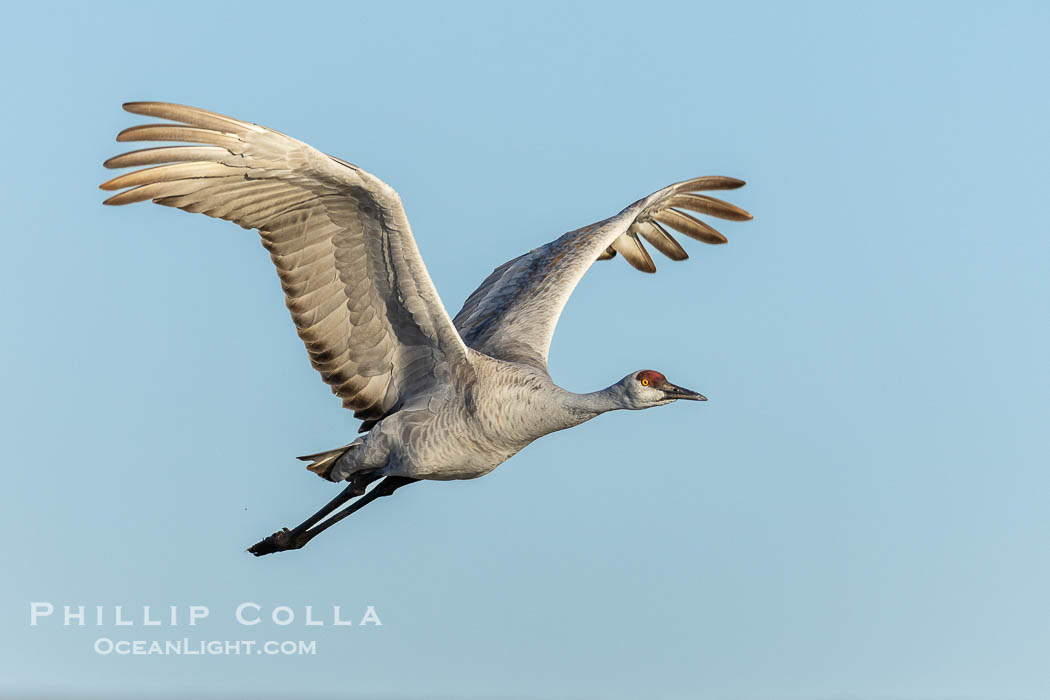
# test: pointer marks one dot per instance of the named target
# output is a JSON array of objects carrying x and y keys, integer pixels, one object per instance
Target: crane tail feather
[{"x": 321, "y": 463}]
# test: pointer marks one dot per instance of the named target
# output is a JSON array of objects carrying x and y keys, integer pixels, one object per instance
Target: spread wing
[
  {"x": 512, "y": 315},
  {"x": 353, "y": 278}
]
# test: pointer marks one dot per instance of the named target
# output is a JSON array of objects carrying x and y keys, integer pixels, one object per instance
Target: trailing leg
[
  {"x": 308, "y": 529},
  {"x": 287, "y": 539}
]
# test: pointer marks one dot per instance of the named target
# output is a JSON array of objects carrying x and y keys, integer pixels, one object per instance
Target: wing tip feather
[
  {"x": 115, "y": 201},
  {"x": 709, "y": 182}
]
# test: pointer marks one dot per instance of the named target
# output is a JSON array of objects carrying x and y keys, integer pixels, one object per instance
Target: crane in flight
[{"x": 440, "y": 398}]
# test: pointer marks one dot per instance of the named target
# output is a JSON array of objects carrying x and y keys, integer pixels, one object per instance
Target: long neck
[
  {"x": 587, "y": 406},
  {"x": 541, "y": 407}
]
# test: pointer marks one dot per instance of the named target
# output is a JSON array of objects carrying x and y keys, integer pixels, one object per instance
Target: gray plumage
[{"x": 440, "y": 399}]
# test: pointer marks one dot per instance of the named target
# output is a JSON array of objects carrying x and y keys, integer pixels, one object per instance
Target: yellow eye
[{"x": 645, "y": 382}]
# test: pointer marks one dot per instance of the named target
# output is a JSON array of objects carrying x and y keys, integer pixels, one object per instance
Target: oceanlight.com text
[{"x": 104, "y": 646}]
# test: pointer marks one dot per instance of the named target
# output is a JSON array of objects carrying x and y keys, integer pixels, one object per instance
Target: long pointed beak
[{"x": 678, "y": 392}]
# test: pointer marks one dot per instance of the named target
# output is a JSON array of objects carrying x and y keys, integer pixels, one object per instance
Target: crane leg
[
  {"x": 285, "y": 538},
  {"x": 297, "y": 537}
]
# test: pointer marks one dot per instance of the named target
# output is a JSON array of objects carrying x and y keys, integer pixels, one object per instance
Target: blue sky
[{"x": 859, "y": 511}]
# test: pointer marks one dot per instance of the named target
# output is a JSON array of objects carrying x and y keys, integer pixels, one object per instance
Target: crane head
[{"x": 646, "y": 388}]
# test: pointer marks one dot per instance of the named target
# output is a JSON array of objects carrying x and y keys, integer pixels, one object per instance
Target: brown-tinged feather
[
  {"x": 709, "y": 182},
  {"x": 709, "y": 205},
  {"x": 191, "y": 116},
  {"x": 167, "y": 154},
  {"x": 660, "y": 239},
  {"x": 690, "y": 226},
  {"x": 177, "y": 132},
  {"x": 168, "y": 173},
  {"x": 634, "y": 252}
]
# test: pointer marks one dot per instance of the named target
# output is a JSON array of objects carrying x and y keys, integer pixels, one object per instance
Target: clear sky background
[{"x": 860, "y": 511}]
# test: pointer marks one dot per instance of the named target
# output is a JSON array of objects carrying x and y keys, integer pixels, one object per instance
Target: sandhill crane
[{"x": 440, "y": 398}]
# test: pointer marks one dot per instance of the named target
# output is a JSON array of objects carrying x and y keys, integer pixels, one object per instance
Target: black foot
[{"x": 278, "y": 542}]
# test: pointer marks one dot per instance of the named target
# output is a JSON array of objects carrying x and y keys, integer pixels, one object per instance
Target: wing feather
[
  {"x": 709, "y": 205},
  {"x": 354, "y": 281},
  {"x": 634, "y": 252},
  {"x": 690, "y": 226},
  {"x": 660, "y": 239},
  {"x": 512, "y": 315},
  {"x": 168, "y": 154}
]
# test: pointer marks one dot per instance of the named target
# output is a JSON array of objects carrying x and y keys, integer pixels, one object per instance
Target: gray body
[
  {"x": 494, "y": 411},
  {"x": 439, "y": 398}
]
